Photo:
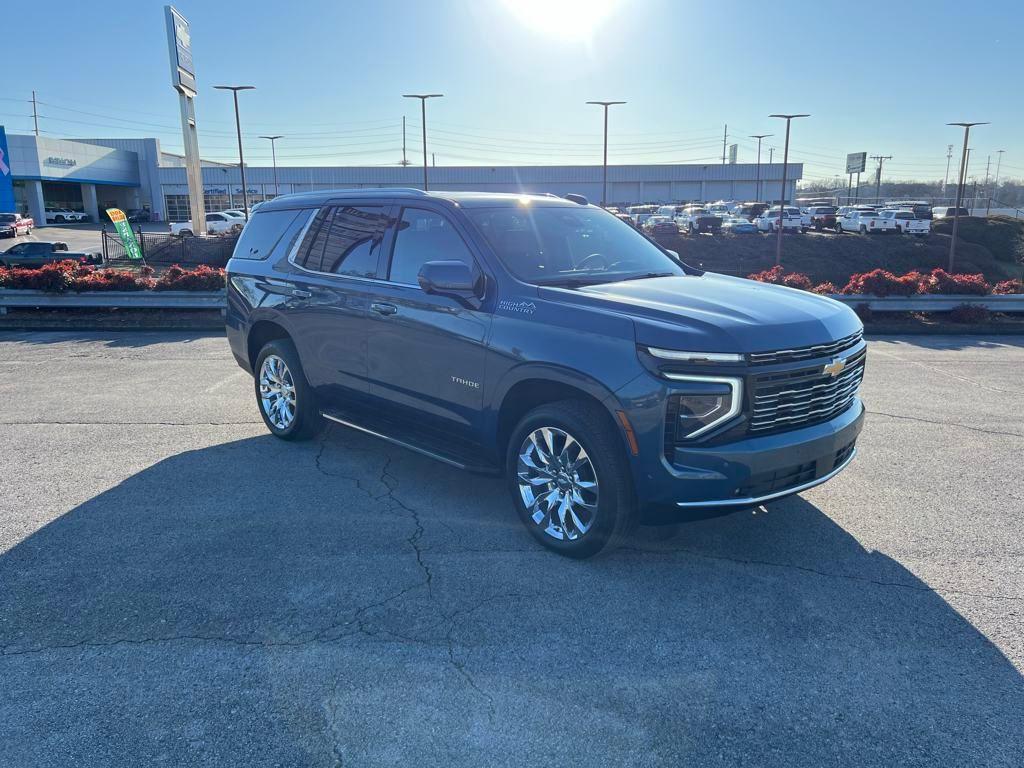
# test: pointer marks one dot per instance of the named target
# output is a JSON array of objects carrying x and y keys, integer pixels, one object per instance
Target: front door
[{"x": 425, "y": 353}]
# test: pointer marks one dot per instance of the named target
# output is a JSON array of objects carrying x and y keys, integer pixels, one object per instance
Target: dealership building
[{"x": 91, "y": 175}]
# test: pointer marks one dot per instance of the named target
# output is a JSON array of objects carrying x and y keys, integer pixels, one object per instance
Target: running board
[{"x": 487, "y": 470}]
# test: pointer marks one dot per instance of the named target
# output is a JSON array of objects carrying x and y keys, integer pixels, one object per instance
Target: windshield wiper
[
  {"x": 573, "y": 282},
  {"x": 646, "y": 275}
]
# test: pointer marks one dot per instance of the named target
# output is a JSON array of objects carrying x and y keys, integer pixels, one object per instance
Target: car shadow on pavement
[{"x": 258, "y": 602}]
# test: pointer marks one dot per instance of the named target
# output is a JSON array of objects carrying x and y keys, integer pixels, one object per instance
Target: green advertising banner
[{"x": 124, "y": 229}]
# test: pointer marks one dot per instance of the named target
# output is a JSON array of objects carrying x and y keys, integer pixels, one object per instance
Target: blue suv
[{"x": 544, "y": 340}]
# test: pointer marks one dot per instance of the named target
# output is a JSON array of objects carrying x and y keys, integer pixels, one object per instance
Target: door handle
[
  {"x": 299, "y": 293},
  {"x": 384, "y": 309}
]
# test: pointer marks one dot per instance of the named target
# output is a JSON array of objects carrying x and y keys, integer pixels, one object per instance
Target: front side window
[
  {"x": 569, "y": 245},
  {"x": 424, "y": 236}
]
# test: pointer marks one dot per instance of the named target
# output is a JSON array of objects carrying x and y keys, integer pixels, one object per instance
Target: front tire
[
  {"x": 285, "y": 399},
  {"x": 569, "y": 479}
]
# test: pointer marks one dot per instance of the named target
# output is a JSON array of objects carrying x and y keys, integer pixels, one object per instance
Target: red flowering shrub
[
  {"x": 797, "y": 280},
  {"x": 52, "y": 278},
  {"x": 825, "y": 288},
  {"x": 1009, "y": 286},
  {"x": 111, "y": 280},
  {"x": 201, "y": 278},
  {"x": 778, "y": 276},
  {"x": 773, "y": 275},
  {"x": 940, "y": 281},
  {"x": 881, "y": 282},
  {"x": 969, "y": 313}
]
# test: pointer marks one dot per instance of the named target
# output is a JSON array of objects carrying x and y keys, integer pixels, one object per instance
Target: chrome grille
[
  {"x": 807, "y": 396},
  {"x": 806, "y": 353}
]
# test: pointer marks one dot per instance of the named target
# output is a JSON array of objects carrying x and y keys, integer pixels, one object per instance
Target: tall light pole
[
  {"x": 238, "y": 128},
  {"x": 960, "y": 189},
  {"x": 782, "y": 198},
  {"x": 423, "y": 120},
  {"x": 273, "y": 154},
  {"x": 945, "y": 179},
  {"x": 604, "y": 183},
  {"x": 759, "y": 136}
]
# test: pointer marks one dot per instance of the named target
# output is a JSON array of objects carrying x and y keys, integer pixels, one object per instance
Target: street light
[
  {"x": 782, "y": 199},
  {"x": 423, "y": 119},
  {"x": 759, "y": 136},
  {"x": 604, "y": 183},
  {"x": 273, "y": 154},
  {"x": 238, "y": 128},
  {"x": 960, "y": 189}
]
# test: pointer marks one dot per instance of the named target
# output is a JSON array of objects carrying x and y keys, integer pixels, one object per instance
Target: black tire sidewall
[
  {"x": 307, "y": 421},
  {"x": 615, "y": 509}
]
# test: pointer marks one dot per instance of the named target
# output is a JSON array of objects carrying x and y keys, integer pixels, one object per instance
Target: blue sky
[{"x": 882, "y": 78}]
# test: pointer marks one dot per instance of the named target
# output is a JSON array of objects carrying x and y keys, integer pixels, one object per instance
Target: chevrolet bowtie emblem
[{"x": 834, "y": 368}]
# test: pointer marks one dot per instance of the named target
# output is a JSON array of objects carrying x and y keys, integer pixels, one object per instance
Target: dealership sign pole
[
  {"x": 183, "y": 80},
  {"x": 124, "y": 229},
  {"x": 855, "y": 163}
]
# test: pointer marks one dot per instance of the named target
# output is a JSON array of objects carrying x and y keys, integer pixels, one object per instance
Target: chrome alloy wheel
[
  {"x": 277, "y": 392},
  {"x": 557, "y": 483}
]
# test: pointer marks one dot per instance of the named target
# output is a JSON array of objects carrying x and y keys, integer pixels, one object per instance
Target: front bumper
[{"x": 717, "y": 479}]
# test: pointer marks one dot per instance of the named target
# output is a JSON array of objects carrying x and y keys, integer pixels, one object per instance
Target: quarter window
[{"x": 424, "y": 236}]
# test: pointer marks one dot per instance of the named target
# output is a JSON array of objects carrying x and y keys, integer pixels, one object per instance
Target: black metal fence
[{"x": 160, "y": 249}]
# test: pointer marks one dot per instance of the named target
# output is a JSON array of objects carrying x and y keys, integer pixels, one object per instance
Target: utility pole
[
  {"x": 604, "y": 174},
  {"x": 988, "y": 192},
  {"x": 35, "y": 113},
  {"x": 725, "y": 140},
  {"x": 423, "y": 120},
  {"x": 771, "y": 155},
  {"x": 878, "y": 175},
  {"x": 782, "y": 197},
  {"x": 238, "y": 128},
  {"x": 759, "y": 136},
  {"x": 949, "y": 156},
  {"x": 959, "y": 190},
  {"x": 433, "y": 160},
  {"x": 404, "y": 160},
  {"x": 273, "y": 153}
]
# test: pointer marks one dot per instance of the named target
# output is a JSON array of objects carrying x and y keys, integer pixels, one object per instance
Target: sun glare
[{"x": 562, "y": 19}]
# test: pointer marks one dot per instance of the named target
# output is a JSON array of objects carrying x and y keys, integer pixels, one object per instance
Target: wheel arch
[{"x": 261, "y": 332}]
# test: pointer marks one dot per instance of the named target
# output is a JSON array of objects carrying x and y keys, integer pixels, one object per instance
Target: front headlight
[{"x": 703, "y": 403}]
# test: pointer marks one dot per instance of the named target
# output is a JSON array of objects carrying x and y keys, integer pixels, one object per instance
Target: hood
[{"x": 716, "y": 313}]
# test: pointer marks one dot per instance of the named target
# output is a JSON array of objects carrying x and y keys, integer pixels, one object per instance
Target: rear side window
[
  {"x": 262, "y": 234},
  {"x": 424, "y": 236},
  {"x": 345, "y": 240}
]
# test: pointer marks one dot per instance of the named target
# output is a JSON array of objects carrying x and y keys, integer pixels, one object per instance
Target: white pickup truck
[
  {"x": 769, "y": 220},
  {"x": 907, "y": 222},
  {"x": 63, "y": 215},
  {"x": 864, "y": 222},
  {"x": 216, "y": 224}
]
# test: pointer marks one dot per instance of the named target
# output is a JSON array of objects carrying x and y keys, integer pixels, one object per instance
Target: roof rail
[{"x": 578, "y": 199}]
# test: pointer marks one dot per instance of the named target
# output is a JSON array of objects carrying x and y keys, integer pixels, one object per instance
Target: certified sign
[{"x": 856, "y": 162}]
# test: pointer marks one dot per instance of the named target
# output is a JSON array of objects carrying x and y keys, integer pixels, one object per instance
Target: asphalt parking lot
[{"x": 179, "y": 588}]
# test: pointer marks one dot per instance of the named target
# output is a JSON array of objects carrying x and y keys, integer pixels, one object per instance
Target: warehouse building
[{"x": 91, "y": 175}]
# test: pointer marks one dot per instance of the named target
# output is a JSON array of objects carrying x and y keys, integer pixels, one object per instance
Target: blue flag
[{"x": 6, "y": 180}]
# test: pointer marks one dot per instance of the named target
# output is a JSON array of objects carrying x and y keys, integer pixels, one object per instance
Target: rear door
[
  {"x": 425, "y": 353},
  {"x": 332, "y": 272}
]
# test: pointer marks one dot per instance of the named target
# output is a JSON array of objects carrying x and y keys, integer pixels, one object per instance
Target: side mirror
[
  {"x": 450, "y": 278},
  {"x": 674, "y": 254}
]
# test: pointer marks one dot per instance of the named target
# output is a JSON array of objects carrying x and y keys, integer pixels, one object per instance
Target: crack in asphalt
[
  {"x": 945, "y": 424},
  {"x": 817, "y": 572}
]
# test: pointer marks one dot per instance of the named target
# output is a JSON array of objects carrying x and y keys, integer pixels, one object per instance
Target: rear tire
[
  {"x": 863, "y": 230},
  {"x": 566, "y": 468},
  {"x": 285, "y": 400}
]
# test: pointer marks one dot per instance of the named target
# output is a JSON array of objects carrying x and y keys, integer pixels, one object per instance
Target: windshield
[{"x": 561, "y": 245}]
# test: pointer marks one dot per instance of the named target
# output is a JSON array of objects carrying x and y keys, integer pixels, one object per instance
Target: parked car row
[{"x": 35, "y": 254}]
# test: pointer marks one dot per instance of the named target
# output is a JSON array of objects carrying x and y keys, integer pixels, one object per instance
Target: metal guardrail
[
  {"x": 932, "y": 302},
  {"x": 113, "y": 300}
]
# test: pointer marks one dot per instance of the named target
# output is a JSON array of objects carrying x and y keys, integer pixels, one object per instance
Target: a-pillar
[
  {"x": 34, "y": 199},
  {"x": 89, "y": 202}
]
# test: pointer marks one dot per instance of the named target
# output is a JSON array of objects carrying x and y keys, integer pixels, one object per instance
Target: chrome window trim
[{"x": 735, "y": 407}]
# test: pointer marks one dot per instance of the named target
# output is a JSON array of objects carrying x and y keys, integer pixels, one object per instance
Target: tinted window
[
  {"x": 214, "y": 217},
  {"x": 424, "y": 236},
  {"x": 312, "y": 248},
  {"x": 262, "y": 233},
  {"x": 353, "y": 239},
  {"x": 6, "y": 217},
  {"x": 556, "y": 244}
]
